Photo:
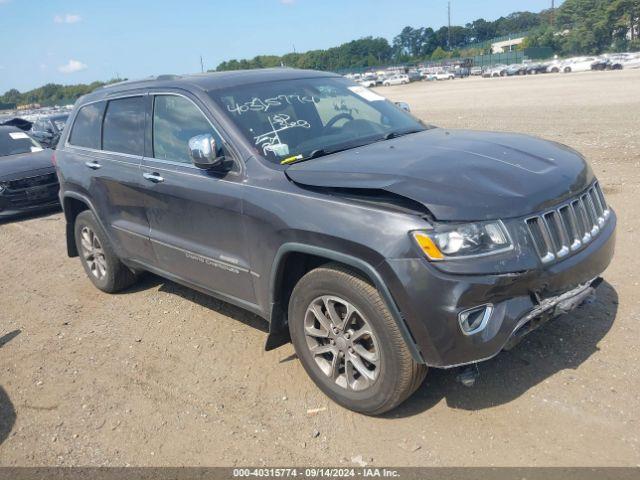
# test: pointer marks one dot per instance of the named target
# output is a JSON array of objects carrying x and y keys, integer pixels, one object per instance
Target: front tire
[
  {"x": 349, "y": 343},
  {"x": 101, "y": 264}
]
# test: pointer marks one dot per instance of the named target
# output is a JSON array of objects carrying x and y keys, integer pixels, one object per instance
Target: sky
[{"x": 79, "y": 41}]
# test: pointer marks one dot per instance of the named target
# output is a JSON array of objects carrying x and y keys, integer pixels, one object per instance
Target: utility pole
[
  {"x": 449, "y": 27},
  {"x": 201, "y": 65},
  {"x": 553, "y": 12}
]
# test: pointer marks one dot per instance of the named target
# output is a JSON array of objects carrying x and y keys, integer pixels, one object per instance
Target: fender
[
  {"x": 72, "y": 248},
  {"x": 278, "y": 334}
]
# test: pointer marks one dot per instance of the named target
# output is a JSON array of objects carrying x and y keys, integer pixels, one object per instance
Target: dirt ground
[{"x": 161, "y": 375}]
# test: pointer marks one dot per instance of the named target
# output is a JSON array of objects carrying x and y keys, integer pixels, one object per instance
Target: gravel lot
[{"x": 162, "y": 375}]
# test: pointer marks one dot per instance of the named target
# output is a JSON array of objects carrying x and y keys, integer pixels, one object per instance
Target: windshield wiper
[{"x": 401, "y": 133}]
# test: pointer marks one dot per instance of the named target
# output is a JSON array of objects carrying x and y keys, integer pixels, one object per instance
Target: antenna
[{"x": 201, "y": 65}]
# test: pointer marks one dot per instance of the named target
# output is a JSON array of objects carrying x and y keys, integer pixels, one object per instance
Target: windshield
[
  {"x": 14, "y": 142},
  {"x": 296, "y": 119},
  {"x": 60, "y": 122}
]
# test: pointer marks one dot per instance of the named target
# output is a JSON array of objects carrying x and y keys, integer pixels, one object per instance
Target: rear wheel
[
  {"x": 349, "y": 343},
  {"x": 102, "y": 266}
]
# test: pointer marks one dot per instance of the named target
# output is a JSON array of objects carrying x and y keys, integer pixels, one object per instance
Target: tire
[
  {"x": 100, "y": 263},
  {"x": 393, "y": 376},
  {"x": 567, "y": 70}
]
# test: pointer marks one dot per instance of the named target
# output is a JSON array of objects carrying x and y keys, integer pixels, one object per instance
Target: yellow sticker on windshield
[{"x": 290, "y": 159}]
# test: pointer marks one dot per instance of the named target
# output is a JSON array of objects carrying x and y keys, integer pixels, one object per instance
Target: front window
[
  {"x": 175, "y": 121},
  {"x": 296, "y": 119},
  {"x": 15, "y": 142}
]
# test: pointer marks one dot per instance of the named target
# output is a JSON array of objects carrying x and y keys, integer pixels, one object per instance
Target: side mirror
[
  {"x": 404, "y": 106},
  {"x": 204, "y": 151}
]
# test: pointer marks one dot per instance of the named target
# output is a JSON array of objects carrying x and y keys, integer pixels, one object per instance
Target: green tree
[{"x": 439, "y": 54}]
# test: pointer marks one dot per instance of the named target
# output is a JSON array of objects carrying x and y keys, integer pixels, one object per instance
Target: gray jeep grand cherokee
[{"x": 380, "y": 246}]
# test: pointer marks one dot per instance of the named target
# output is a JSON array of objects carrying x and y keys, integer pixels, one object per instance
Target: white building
[{"x": 506, "y": 45}]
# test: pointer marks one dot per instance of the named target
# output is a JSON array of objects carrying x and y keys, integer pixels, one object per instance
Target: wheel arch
[
  {"x": 304, "y": 258},
  {"x": 73, "y": 204}
]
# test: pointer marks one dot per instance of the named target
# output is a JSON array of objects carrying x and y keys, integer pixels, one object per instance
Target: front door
[{"x": 195, "y": 216}]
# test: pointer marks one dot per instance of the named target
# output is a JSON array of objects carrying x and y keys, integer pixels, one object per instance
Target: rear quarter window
[{"x": 86, "y": 127}]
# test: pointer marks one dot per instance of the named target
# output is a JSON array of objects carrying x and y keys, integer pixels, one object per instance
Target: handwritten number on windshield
[{"x": 263, "y": 105}]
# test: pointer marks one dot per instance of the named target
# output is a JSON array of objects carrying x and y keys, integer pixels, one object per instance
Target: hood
[
  {"x": 16, "y": 166},
  {"x": 457, "y": 175}
]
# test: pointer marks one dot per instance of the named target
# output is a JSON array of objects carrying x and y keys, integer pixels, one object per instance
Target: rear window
[
  {"x": 123, "y": 129},
  {"x": 86, "y": 128}
]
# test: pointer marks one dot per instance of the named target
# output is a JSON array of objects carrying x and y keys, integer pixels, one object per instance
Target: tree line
[
  {"x": 576, "y": 27},
  {"x": 50, "y": 94},
  {"x": 410, "y": 45}
]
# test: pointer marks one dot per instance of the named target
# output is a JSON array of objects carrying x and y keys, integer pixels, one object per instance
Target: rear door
[
  {"x": 197, "y": 230},
  {"x": 107, "y": 143}
]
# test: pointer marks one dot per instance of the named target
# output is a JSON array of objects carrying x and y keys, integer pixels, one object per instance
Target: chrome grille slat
[{"x": 567, "y": 228}]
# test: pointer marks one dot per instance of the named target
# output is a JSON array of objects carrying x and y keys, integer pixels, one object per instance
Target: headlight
[
  {"x": 463, "y": 240},
  {"x": 3, "y": 187}
]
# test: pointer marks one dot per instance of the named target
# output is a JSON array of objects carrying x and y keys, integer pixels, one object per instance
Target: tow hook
[{"x": 468, "y": 375}]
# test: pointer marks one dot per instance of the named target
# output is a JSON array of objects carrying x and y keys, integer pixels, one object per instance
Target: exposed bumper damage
[{"x": 431, "y": 301}]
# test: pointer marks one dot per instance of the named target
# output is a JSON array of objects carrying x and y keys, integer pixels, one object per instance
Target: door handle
[
  {"x": 93, "y": 165},
  {"x": 153, "y": 177}
]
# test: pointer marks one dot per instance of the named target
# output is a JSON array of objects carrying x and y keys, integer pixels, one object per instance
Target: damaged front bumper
[
  {"x": 432, "y": 301},
  {"x": 550, "y": 308}
]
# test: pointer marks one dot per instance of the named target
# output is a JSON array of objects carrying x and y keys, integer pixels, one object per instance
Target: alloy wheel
[
  {"x": 342, "y": 342},
  {"x": 93, "y": 253}
]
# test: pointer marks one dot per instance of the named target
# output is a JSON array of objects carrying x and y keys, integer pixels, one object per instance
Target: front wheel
[{"x": 349, "y": 343}]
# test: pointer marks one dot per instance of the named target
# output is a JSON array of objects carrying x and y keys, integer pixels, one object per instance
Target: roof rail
[{"x": 169, "y": 76}]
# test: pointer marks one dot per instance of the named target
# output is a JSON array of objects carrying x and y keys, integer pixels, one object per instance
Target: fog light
[{"x": 475, "y": 319}]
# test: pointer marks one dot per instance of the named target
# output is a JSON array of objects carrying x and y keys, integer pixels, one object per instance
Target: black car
[
  {"x": 381, "y": 246},
  {"x": 47, "y": 129},
  {"x": 536, "y": 68},
  {"x": 606, "y": 64},
  {"x": 28, "y": 179}
]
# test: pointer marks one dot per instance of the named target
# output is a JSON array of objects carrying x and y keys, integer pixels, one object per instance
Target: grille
[
  {"x": 567, "y": 228},
  {"x": 36, "y": 181}
]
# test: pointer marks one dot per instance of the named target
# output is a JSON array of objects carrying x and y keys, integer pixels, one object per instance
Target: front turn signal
[{"x": 428, "y": 246}]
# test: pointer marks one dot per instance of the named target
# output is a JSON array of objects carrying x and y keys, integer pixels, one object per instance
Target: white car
[
  {"x": 445, "y": 76},
  {"x": 368, "y": 83},
  {"x": 396, "y": 80},
  {"x": 554, "y": 67},
  {"x": 578, "y": 64}
]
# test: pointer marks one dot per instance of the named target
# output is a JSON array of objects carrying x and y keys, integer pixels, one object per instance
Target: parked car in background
[
  {"x": 28, "y": 180},
  {"x": 380, "y": 246},
  {"x": 369, "y": 82},
  {"x": 629, "y": 61},
  {"x": 47, "y": 129},
  {"x": 606, "y": 63},
  {"x": 536, "y": 68},
  {"x": 476, "y": 71},
  {"x": 554, "y": 66},
  {"x": 577, "y": 64},
  {"x": 516, "y": 69},
  {"x": 444, "y": 75},
  {"x": 495, "y": 71},
  {"x": 399, "y": 79},
  {"x": 414, "y": 76}
]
